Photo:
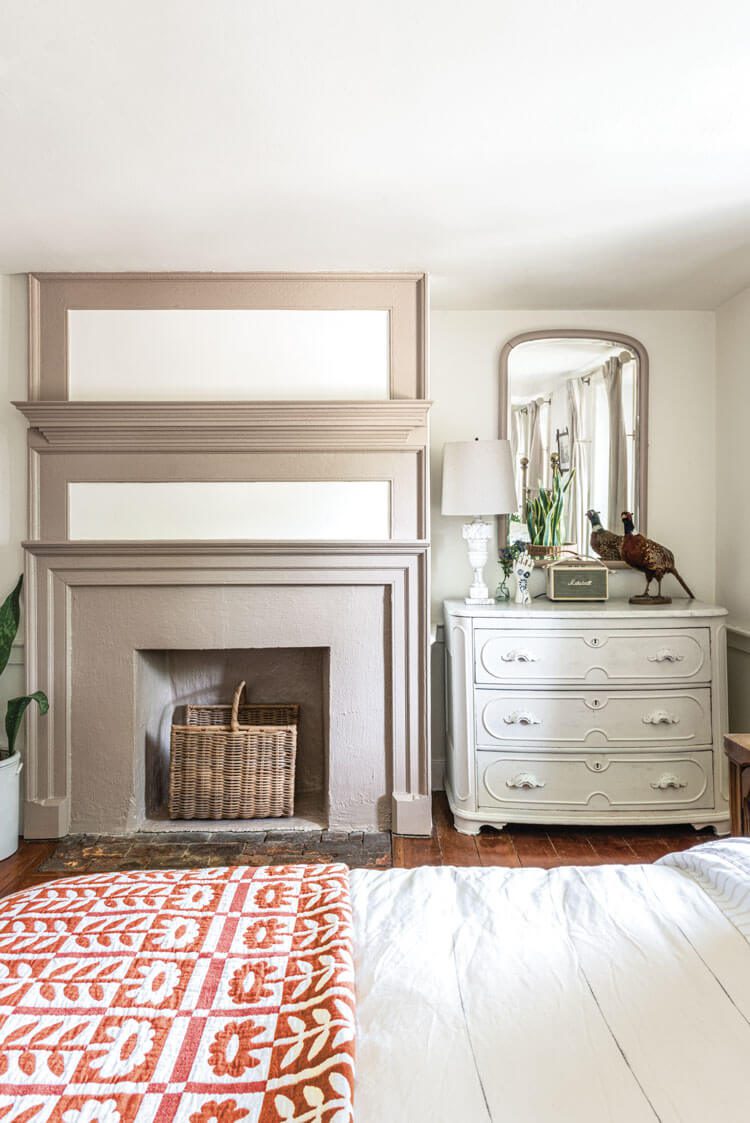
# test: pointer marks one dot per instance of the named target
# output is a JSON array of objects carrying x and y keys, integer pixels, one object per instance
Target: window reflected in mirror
[{"x": 573, "y": 411}]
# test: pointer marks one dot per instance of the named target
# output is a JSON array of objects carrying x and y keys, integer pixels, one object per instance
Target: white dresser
[{"x": 571, "y": 713}]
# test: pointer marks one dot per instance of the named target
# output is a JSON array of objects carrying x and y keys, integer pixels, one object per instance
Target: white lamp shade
[{"x": 478, "y": 478}]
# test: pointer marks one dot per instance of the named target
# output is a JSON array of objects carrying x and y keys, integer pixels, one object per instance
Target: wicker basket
[{"x": 233, "y": 762}]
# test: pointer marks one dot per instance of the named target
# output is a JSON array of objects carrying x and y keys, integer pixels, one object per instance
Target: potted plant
[
  {"x": 545, "y": 517},
  {"x": 10, "y": 761}
]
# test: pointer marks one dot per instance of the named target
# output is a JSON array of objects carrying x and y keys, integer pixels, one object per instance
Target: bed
[
  {"x": 610, "y": 993},
  {"x": 599, "y": 994}
]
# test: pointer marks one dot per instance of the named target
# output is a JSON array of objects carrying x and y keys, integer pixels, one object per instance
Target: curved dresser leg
[{"x": 721, "y": 827}]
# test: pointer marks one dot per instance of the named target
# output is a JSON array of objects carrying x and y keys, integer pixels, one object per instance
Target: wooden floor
[
  {"x": 539, "y": 846},
  {"x": 515, "y": 846}
]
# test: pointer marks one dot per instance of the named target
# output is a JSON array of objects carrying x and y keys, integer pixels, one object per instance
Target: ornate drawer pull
[
  {"x": 664, "y": 655},
  {"x": 660, "y": 717},
  {"x": 524, "y": 718},
  {"x": 519, "y": 657},
  {"x": 524, "y": 780},
  {"x": 668, "y": 780}
]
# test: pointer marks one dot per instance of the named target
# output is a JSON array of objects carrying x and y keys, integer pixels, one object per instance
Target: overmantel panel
[
  {"x": 51, "y": 296},
  {"x": 403, "y": 470}
]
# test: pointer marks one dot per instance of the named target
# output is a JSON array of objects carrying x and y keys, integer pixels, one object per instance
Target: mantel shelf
[
  {"x": 227, "y": 425},
  {"x": 222, "y": 548}
]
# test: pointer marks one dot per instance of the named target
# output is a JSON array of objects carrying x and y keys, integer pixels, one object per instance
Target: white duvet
[{"x": 615, "y": 993}]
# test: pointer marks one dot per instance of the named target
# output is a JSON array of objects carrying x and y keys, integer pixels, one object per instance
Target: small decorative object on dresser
[
  {"x": 586, "y": 714},
  {"x": 522, "y": 568},
  {"x": 605, "y": 543},
  {"x": 478, "y": 479},
  {"x": 577, "y": 581},
  {"x": 507, "y": 559},
  {"x": 651, "y": 558}
]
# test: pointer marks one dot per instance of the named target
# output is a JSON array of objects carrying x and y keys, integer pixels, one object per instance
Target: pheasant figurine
[
  {"x": 653, "y": 559},
  {"x": 603, "y": 542}
]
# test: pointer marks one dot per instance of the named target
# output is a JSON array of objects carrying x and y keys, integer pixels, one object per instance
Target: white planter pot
[{"x": 10, "y": 773}]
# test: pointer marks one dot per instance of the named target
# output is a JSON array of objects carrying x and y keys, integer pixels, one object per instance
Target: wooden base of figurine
[{"x": 644, "y": 598}]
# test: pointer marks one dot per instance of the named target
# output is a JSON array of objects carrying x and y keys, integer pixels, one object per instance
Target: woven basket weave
[{"x": 233, "y": 762}]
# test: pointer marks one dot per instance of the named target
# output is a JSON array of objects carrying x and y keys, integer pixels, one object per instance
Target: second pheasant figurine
[
  {"x": 603, "y": 542},
  {"x": 653, "y": 559}
]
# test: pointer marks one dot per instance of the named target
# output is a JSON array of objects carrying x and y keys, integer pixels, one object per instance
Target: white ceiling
[
  {"x": 537, "y": 366},
  {"x": 552, "y": 153},
  {"x": 558, "y": 356}
]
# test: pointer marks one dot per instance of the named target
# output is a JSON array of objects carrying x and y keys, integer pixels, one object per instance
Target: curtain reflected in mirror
[{"x": 572, "y": 406}]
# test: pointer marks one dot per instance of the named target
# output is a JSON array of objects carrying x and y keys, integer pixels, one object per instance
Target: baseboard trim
[{"x": 738, "y": 639}]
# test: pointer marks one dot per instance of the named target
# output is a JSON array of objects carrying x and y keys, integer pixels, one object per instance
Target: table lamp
[{"x": 478, "y": 480}]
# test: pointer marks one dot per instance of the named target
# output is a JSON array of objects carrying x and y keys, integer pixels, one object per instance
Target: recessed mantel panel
[
  {"x": 228, "y": 354},
  {"x": 265, "y": 510}
]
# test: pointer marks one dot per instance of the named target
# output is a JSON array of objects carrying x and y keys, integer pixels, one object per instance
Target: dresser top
[{"x": 541, "y": 608}]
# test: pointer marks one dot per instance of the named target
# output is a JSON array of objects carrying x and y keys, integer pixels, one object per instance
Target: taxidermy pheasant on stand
[
  {"x": 653, "y": 559},
  {"x": 603, "y": 542}
]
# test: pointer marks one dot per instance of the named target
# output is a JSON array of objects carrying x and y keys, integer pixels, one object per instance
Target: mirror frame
[{"x": 641, "y": 436}]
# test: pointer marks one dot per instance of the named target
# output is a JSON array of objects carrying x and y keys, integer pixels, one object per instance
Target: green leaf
[
  {"x": 10, "y": 614},
  {"x": 16, "y": 709}
]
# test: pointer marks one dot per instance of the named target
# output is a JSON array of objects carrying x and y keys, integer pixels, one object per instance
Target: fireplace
[
  {"x": 167, "y": 681},
  {"x": 138, "y": 599}
]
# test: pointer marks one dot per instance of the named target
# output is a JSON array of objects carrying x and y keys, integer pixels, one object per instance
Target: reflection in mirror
[{"x": 573, "y": 406}]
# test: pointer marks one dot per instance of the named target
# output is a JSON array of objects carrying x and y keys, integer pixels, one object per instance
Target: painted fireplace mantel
[{"x": 93, "y": 605}]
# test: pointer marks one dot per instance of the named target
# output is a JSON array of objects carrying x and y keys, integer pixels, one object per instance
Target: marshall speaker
[{"x": 577, "y": 580}]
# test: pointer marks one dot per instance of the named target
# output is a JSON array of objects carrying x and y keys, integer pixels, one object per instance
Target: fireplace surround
[{"x": 101, "y": 612}]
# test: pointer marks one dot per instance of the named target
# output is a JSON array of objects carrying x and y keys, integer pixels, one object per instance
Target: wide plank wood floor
[
  {"x": 540, "y": 846},
  {"x": 514, "y": 846}
]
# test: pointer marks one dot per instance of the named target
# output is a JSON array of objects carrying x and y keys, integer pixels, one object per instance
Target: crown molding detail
[
  {"x": 226, "y": 426},
  {"x": 220, "y": 549}
]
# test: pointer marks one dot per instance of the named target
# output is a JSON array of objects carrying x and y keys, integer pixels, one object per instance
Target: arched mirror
[{"x": 574, "y": 405}]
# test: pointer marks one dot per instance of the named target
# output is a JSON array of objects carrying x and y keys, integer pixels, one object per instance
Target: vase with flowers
[{"x": 506, "y": 558}]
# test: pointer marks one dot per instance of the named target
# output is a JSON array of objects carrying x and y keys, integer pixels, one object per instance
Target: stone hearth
[{"x": 103, "y": 854}]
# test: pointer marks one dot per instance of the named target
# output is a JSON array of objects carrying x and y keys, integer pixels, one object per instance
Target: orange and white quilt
[{"x": 193, "y": 996}]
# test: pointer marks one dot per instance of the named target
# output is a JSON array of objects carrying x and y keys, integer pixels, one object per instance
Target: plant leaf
[
  {"x": 10, "y": 614},
  {"x": 17, "y": 708}
]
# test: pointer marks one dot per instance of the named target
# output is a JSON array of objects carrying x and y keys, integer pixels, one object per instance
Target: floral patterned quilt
[{"x": 193, "y": 996}]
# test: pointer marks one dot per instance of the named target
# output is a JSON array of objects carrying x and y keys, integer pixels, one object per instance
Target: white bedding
[{"x": 612, "y": 993}]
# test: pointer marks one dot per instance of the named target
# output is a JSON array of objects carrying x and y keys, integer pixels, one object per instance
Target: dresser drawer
[
  {"x": 592, "y": 655},
  {"x": 597, "y": 782},
  {"x": 639, "y": 719}
]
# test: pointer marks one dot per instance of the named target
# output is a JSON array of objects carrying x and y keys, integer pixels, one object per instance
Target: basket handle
[{"x": 234, "y": 723}]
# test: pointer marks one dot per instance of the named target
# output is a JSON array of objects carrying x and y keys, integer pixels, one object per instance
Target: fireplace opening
[{"x": 166, "y": 681}]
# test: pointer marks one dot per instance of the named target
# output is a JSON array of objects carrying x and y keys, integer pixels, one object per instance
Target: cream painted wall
[
  {"x": 12, "y": 461},
  {"x": 465, "y": 354},
  {"x": 13, "y": 350},
  {"x": 732, "y": 506},
  {"x": 732, "y": 424}
]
